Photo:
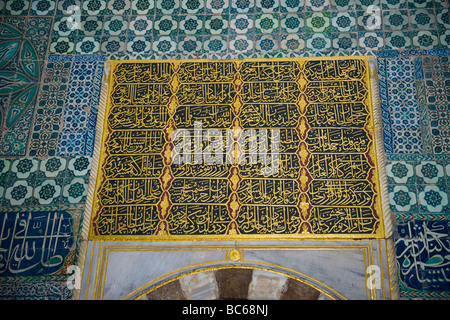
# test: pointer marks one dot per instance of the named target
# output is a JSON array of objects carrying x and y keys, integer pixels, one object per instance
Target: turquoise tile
[
  {"x": 42, "y": 7},
  {"x": 63, "y": 26},
  {"x": 403, "y": 198},
  {"x": 292, "y": 23},
  {"x": 166, "y": 25},
  {"x": 368, "y": 21},
  {"x": 140, "y": 25},
  {"x": 192, "y": 6},
  {"x": 52, "y": 167},
  {"x": 47, "y": 191},
  {"x": 215, "y": 44},
  {"x": 422, "y": 19},
  {"x": 318, "y": 41},
  {"x": 136, "y": 45},
  {"x": 94, "y": 7},
  {"x": 343, "y": 22},
  {"x": 428, "y": 39},
  {"x": 318, "y": 22},
  {"x": 161, "y": 45},
  {"x": 167, "y": 6},
  {"x": 444, "y": 38},
  {"x": 267, "y": 23},
  {"x": 68, "y": 7},
  {"x": 343, "y": 5},
  {"x": 90, "y": 26},
  {"x": 118, "y": 7},
  {"x": 242, "y": 44},
  {"x": 317, "y": 5},
  {"x": 292, "y": 43},
  {"x": 344, "y": 41},
  {"x": 395, "y": 20},
  {"x": 241, "y": 24},
  {"x": 217, "y": 6},
  {"x": 433, "y": 199},
  {"x": 400, "y": 172},
  {"x": 371, "y": 40},
  {"x": 217, "y": 24},
  {"x": 18, "y": 193},
  {"x": 267, "y": 6},
  {"x": 443, "y": 19},
  {"x": 394, "y": 4},
  {"x": 190, "y": 45},
  {"x": 5, "y": 165},
  {"x": 430, "y": 172},
  {"x": 242, "y": 6},
  {"x": 364, "y": 4},
  {"x": 191, "y": 24},
  {"x": 75, "y": 190},
  {"x": 397, "y": 40},
  {"x": 143, "y": 7},
  {"x": 420, "y": 4},
  {"x": 17, "y": 7},
  {"x": 292, "y": 6},
  {"x": 115, "y": 25}
]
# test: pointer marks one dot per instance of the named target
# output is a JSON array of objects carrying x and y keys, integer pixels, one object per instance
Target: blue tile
[
  {"x": 407, "y": 141},
  {"x": 39, "y": 250},
  {"x": 418, "y": 68},
  {"x": 72, "y": 143},
  {"x": 79, "y": 96}
]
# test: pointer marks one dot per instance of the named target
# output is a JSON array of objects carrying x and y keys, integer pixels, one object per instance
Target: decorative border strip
[
  {"x": 84, "y": 231},
  {"x": 378, "y": 129},
  {"x": 392, "y": 269},
  {"x": 386, "y": 115}
]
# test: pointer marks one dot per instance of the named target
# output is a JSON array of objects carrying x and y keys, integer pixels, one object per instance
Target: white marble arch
[
  {"x": 338, "y": 269},
  {"x": 203, "y": 285}
]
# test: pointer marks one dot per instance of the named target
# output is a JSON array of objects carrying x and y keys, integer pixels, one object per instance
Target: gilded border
[{"x": 374, "y": 152}]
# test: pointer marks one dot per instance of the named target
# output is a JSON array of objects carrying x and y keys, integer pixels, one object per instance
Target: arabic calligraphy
[
  {"x": 34, "y": 243},
  {"x": 320, "y": 180},
  {"x": 423, "y": 255}
]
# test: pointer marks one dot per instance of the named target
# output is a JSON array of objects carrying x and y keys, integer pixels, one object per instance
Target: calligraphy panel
[
  {"x": 238, "y": 149},
  {"x": 34, "y": 243}
]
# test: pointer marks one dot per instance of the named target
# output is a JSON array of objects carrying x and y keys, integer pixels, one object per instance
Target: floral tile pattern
[
  {"x": 30, "y": 181},
  {"x": 53, "y": 52},
  {"x": 393, "y": 24}
]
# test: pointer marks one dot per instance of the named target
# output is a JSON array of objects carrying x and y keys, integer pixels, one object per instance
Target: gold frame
[{"x": 380, "y": 234}]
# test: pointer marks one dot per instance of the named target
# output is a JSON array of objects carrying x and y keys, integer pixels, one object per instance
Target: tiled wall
[
  {"x": 415, "y": 94},
  {"x": 52, "y": 56}
]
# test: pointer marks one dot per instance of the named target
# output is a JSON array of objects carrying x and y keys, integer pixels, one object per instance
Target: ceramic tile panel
[
  {"x": 21, "y": 70},
  {"x": 418, "y": 189},
  {"x": 390, "y": 24},
  {"x": 31, "y": 183},
  {"x": 44, "y": 243},
  {"x": 421, "y": 246}
]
